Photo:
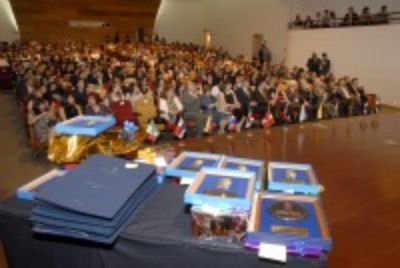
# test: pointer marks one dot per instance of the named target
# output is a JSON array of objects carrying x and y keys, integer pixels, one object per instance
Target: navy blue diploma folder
[
  {"x": 92, "y": 224},
  {"x": 95, "y": 201},
  {"x": 99, "y": 187}
]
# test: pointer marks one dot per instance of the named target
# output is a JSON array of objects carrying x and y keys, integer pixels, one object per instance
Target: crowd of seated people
[
  {"x": 55, "y": 82},
  {"x": 328, "y": 18}
]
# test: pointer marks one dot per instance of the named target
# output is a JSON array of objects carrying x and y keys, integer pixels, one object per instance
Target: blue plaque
[
  {"x": 85, "y": 125},
  {"x": 29, "y": 190},
  {"x": 188, "y": 164},
  {"x": 292, "y": 178},
  {"x": 296, "y": 221},
  {"x": 222, "y": 188},
  {"x": 246, "y": 165}
]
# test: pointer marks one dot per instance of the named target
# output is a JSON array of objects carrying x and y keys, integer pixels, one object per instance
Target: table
[{"x": 160, "y": 236}]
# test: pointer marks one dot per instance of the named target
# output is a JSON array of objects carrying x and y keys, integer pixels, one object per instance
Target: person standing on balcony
[
  {"x": 351, "y": 17},
  {"x": 382, "y": 17},
  {"x": 326, "y": 19}
]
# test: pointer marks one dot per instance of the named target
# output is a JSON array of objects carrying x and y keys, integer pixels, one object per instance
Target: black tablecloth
[{"x": 160, "y": 236}]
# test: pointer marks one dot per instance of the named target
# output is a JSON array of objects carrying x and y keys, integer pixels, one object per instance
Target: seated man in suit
[
  {"x": 345, "y": 98},
  {"x": 243, "y": 95},
  {"x": 259, "y": 102},
  {"x": 310, "y": 100},
  {"x": 192, "y": 107},
  {"x": 293, "y": 97}
]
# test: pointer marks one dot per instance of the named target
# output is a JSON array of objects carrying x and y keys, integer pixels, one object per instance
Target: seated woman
[
  {"x": 95, "y": 107},
  {"x": 223, "y": 108},
  {"x": 209, "y": 107},
  {"x": 169, "y": 105},
  {"x": 39, "y": 118},
  {"x": 56, "y": 110},
  {"x": 71, "y": 108},
  {"x": 282, "y": 107},
  {"x": 122, "y": 109}
]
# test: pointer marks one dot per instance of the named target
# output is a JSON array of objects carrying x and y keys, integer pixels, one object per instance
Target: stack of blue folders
[{"x": 95, "y": 201}]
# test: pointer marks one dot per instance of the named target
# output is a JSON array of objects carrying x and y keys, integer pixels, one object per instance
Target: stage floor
[{"x": 357, "y": 161}]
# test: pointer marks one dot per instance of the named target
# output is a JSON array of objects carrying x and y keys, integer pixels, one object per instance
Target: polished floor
[{"x": 356, "y": 159}]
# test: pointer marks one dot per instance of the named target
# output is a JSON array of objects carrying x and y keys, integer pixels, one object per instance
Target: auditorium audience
[{"x": 155, "y": 80}]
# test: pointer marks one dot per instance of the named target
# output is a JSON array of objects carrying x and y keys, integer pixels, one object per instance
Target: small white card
[
  {"x": 186, "y": 181},
  {"x": 160, "y": 161},
  {"x": 274, "y": 252},
  {"x": 289, "y": 191},
  {"x": 131, "y": 165}
]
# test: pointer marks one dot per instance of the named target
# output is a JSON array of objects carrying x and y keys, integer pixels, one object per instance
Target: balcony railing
[{"x": 390, "y": 18}]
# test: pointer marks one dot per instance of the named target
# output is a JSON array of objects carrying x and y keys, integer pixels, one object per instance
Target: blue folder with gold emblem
[
  {"x": 296, "y": 221},
  {"x": 293, "y": 178},
  {"x": 221, "y": 188},
  {"x": 85, "y": 125},
  {"x": 246, "y": 165},
  {"x": 188, "y": 164}
]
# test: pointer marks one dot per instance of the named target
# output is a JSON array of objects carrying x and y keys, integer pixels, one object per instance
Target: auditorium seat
[{"x": 123, "y": 111}]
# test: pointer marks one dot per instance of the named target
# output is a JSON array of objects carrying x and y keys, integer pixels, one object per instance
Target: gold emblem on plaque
[
  {"x": 288, "y": 211},
  {"x": 291, "y": 174},
  {"x": 291, "y": 177},
  {"x": 242, "y": 168},
  {"x": 224, "y": 184},
  {"x": 198, "y": 162}
]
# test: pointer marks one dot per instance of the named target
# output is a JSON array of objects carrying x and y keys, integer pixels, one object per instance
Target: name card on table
[{"x": 273, "y": 252}]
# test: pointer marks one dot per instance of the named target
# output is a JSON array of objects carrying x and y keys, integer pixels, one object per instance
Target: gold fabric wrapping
[{"x": 74, "y": 148}]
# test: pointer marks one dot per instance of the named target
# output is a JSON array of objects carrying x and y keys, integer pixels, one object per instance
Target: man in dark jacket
[
  {"x": 243, "y": 96},
  {"x": 314, "y": 63},
  {"x": 325, "y": 67}
]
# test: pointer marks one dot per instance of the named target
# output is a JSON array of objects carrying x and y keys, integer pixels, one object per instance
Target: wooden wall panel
[{"x": 48, "y": 20}]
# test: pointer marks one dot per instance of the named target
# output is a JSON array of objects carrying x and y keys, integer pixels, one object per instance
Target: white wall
[
  {"x": 182, "y": 20},
  {"x": 311, "y": 7},
  {"x": 370, "y": 53},
  {"x": 8, "y": 24},
  {"x": 232, "y": 23}
]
